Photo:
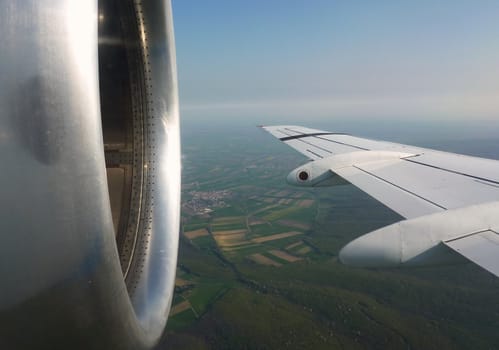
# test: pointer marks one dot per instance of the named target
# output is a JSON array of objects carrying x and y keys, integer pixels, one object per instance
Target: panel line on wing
[
  {"x": 399, "y": 187},
  {"x": 487, "y": 183},
  {"x": 343, "y": 143},
  {"x": 284, "y": 132},
  {"x": 481, "y": 248},
  {"x": 316, "y": 135},
  {"x": 450, "y": 171},
  {"x": 322, "y": 148},
  {"x": 467, "y": 235},
  {"x": 291, "y": 137},
  {"x": 315, "y": 154},
  {"x": 319, "y": 147},
  {"x": 287, "y": 138}
]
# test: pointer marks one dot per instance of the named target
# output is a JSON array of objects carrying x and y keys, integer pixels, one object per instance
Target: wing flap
[
  {"x": 412, "y": 189},
  {"x": 395, "y": 197},
  {"x": 481, "y": 248}
]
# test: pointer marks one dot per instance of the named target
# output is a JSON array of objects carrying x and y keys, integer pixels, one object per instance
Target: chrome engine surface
[{"x": 89, "y": 139}]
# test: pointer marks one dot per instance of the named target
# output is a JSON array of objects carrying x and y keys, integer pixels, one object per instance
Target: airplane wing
[{"x": 448, "y": 199}]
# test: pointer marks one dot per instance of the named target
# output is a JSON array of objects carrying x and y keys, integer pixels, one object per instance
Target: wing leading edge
[{"x": 414, "y": 182}]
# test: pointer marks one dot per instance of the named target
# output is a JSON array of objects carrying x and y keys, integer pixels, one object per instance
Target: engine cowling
[
  {"x": 90, "y": 197},
  {"x": 314, "y": 174},
  {"x": 420, "y": 241}
]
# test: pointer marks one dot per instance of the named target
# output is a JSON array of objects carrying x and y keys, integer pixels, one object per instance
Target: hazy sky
[{"x": 300, "y": 59}]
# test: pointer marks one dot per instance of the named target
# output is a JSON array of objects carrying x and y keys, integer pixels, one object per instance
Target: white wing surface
[
  {"x": 413, "y": 181},
  {"x": 481, "y": 248}
]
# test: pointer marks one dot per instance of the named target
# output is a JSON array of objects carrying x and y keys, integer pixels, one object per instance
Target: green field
[{"x": 239, "y": 302}]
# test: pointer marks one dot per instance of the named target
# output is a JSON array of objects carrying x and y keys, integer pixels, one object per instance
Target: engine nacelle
[
  {"x": 316, "y": 173},
  {"x": 90, "y": 187},
  {"x": 420, "y": 241}
]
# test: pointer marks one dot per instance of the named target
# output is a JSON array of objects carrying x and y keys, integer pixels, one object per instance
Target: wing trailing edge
[{"x": 482, "y": 248}]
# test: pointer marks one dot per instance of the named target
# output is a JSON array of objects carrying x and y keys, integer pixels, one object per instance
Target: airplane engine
[
  {"x": 316, "y": 173},
  {"x": 90, "y": 192}
]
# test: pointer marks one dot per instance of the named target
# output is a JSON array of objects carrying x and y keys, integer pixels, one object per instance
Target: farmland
[{"x": 259, "y": 269}]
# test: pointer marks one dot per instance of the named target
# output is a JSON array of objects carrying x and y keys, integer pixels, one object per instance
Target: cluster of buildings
[{"x": 202, "y": 203}]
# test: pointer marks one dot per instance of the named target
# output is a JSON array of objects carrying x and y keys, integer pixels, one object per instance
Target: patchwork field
[
  {"x": 263, "y": 260},
  {"x": 196, "y": 233},
  {"x": 179, "y": 282},
  {"x": 285, "y": 256},
  {"x": 259, "y": 269},
  {"x": 180, "y": 307},
  {"x": 295, "y": 224},
  {"x": 303, "y": 250},
  {"x": 230, "y": 238},
  {"x": 276, "y": 236}
]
